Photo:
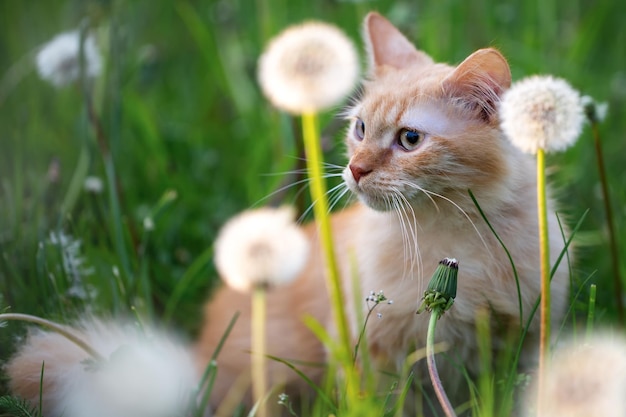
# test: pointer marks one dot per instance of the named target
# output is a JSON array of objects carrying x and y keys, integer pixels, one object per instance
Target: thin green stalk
[
  {"x": 591, "y": 309},
  {"x": 544, "y": 249},
  {"x": 617, "y": 279},
  {"x": 259, "y": 379},
  {"x": 432, "y": 366},
  {"x": 62, "y": 330},
  {"x": 320, "y": 210},
  {"x": 210, "y": 372},
  {"x": 486, "y": 377},
  {"x": 508, "y": 254}
]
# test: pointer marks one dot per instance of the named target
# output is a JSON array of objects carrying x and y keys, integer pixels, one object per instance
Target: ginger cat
[{"x": 420, "y": 136}]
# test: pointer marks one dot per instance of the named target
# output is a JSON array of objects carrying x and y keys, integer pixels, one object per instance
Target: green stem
[
  {"x": 617, "y": 280},
  {"x": 544, "y": 249},
  {"x": 432, "y": 366},
  {"x": 62, "y": 330},
  {"x": 591, "y": 309},
  {"x": 259, "y": 378},
  {"x": 320, "y": 210}
]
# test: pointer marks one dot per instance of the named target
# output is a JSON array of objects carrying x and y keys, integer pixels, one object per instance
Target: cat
[{"x": 420, "y": 136}]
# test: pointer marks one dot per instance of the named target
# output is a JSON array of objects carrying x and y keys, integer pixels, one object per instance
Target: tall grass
[{"x": 191, "y": 140}]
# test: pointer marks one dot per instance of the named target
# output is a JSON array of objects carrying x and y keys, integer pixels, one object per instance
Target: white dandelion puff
[
  {"x": 263, "y": 247},
  {"x": 308, "y": 67},
  {"x": 58, "y": 61},
  {"x": 93, "y": 185},
  {"x": 596, "y": 112},
  {"x": 586, "y": 380},
  {"x": 541, "y": 112},
  {"x": 146, "y": 373}
]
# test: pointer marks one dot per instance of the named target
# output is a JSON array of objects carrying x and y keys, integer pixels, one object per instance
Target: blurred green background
[{"x": 193, "y": 141}]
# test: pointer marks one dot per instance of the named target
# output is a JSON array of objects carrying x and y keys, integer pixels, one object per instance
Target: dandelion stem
[
  {"x": 62, "y": 330},
  {"x": 432, "y": 366},
  {"x": 259, "y": 378},
  {"x": 617, "y": 280},
  {"x": 313, "y": 151},
  {"x": 591, "y": 309},
  {"x": 438, "y": 298},
  {"x": 544, "y": 249}
]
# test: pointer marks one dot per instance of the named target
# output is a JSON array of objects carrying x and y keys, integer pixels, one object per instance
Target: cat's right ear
[{"x": 387, "y": 47}]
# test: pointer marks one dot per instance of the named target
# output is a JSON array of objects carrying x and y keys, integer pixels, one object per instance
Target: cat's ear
[
  {"x": 480, "y": 81},
  {"x": 386, "y": 46}
]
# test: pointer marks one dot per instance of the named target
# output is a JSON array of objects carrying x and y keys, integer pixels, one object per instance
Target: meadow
[{"x": 176, "y": 137}]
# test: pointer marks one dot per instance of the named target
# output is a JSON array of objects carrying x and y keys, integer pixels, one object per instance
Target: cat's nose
[{"x": 359, "y": 171}]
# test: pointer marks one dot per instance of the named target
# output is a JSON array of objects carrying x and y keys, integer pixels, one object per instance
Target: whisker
[
  {"x": 405, "y": 238},
  {"x": 410, "y": 232},
  {"x": 284, "y": 188},
  {"x": 339, "y": 195},
  {"x": 417, "y": 187},
  {"x": 469, "y": 219}
]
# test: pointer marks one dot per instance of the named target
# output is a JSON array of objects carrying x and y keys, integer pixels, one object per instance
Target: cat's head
[{"x": 423, "y": 127}]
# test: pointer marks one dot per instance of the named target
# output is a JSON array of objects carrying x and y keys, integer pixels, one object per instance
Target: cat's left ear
[
  {"x": 388, "y": 47},
  {"x": 480, "y": 81}
]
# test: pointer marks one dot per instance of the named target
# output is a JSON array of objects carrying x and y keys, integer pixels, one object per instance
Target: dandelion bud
[{"x": 441, "y": 290}]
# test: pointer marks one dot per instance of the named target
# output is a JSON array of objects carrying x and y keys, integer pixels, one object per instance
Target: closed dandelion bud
[{"x": 441, "y": 290}]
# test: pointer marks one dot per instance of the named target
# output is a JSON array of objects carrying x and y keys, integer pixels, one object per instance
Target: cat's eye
[
  {"x": 410, "y": 139},
  {"x": 359, "y": 129}
]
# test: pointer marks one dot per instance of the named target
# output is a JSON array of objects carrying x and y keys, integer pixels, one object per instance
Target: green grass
[{"x": 193, "y": 141}]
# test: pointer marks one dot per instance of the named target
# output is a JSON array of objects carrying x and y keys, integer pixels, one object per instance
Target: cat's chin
[{"x": 375, "y": 203}]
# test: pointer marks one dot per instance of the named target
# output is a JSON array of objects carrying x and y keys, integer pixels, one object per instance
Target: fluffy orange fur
[{"x": 414, "y": 210}]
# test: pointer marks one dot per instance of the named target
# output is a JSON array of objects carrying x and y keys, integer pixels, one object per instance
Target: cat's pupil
[{"x": 412, "y": 137}]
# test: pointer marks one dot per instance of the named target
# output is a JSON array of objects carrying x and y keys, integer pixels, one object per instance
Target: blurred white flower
[
  {"x": 308, "y": 67},
  {"x": 146, "y": 373},
  {"x": 541, "y": 112},
  {"x": 58, "y": 61},
  {"x": 148, "y": 224},
  {"x": 263, "y": 247},
  {"x": 74, "y": 264},
  {"x": 585, "y": 380},
  {"x": 596, "y": 112},
  {"x": 93, "y": 185}
]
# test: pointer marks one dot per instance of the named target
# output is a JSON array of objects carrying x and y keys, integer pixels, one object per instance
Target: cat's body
[{"x": 421, "y": 136}]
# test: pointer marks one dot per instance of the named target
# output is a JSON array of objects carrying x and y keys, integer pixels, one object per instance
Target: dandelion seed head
[
  {"x": 308, "y": 67},
  {"x": 148, "y": 224},
  {"x": 58, "y": 61},
  {"x": 541, "y": 112},
  {"x": 93, "y": 185},
  {"x": 146, "y": 373},
  {"x": 262, "y": 247},
  {"x": 595, "y": 112},
  {"x": 586, "y": 380}
]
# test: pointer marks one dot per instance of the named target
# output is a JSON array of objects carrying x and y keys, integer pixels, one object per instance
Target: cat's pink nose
[{"x": 359, "y": 171}]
